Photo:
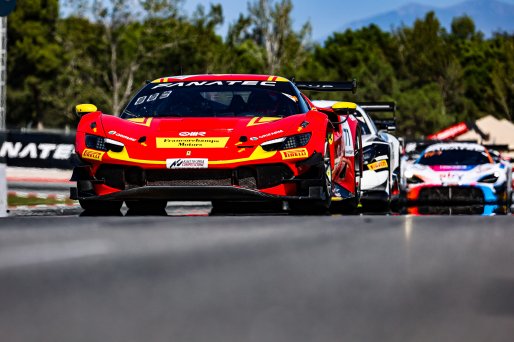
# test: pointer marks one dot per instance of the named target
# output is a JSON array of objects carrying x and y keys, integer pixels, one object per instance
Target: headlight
[
  {"x": 492, "y": 178},
  {"x": 286, "y": 143},
  {"x": 414, "y": 180},
  {"x": 96, "y": 142},
  {"x": 373, "y": 151},
  {"x": 114, "y": 145},
  {"x": 368, "y": 153},
  {"x": 103, "y": 144}
]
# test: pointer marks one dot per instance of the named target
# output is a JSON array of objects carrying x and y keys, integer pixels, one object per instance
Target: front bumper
[
  {"x": 191, "y": 193},
  {"x": 436, "y": 193},
  {"x": 258, "y": 182}
]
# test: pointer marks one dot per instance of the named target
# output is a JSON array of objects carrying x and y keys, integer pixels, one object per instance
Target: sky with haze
[{"x": 325, "y": 15}]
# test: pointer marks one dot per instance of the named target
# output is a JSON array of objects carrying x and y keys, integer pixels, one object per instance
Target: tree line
[{"x": 103, "y": 51}]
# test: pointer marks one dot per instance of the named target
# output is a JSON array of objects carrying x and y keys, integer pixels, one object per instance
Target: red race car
[{"x": 220, "y": 138}]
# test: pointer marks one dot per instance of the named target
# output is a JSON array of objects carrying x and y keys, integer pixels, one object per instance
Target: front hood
[{"x": 212, "y": 138}]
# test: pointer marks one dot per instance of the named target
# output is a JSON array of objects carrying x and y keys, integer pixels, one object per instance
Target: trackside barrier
[
  {"x": 37, "y": 149},
  {"x": 3, "y": 191},
  {"x": 3, "y": 183}
]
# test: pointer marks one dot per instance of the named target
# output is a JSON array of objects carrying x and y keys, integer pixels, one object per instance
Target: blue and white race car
[{"x": 458, "y": 173}]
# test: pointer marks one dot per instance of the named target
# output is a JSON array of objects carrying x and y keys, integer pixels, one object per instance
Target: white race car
[
  {"x": 458, "y": 173},
  {"x": 380, "y": 182}
]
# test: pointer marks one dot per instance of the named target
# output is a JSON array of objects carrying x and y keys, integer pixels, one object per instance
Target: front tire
[{"x": 322, "y": 205}]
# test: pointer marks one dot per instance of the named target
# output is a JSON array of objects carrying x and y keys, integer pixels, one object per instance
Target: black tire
[
  {"x": 101, "y": 206},
  {"x": 147, "y": 206},
  {"x": 321, "y": 206}
]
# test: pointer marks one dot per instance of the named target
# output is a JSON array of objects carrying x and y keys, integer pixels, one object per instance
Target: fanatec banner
[{"x": 37, "y": 149}]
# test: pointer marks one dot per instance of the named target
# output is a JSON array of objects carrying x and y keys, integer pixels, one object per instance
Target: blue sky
[{"x": 324, "y": 15}]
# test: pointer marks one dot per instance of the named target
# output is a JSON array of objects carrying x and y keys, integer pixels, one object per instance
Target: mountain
[{"x": 489, "y": 16}]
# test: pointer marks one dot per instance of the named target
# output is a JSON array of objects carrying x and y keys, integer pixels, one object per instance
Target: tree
[
  {"x": 124, "y": 44},
  {"x": 269, "y": 27},
  {"x": 34, "y": 61}
]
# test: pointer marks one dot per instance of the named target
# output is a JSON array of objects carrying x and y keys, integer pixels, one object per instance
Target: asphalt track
[{"x": 257, "y": 278}]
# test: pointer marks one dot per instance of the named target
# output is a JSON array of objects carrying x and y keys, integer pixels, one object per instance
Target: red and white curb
[{"x": 39, "y": 195}]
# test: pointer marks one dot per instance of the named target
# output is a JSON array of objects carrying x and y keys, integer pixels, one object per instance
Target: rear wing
[
  {"x": 328, "y": 86},
  {"x": 381, "y": 107},
  {"x": 377, "y": 107}
]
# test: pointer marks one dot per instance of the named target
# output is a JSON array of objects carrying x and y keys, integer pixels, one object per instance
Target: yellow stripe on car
[{"x": 258, "y": 154}]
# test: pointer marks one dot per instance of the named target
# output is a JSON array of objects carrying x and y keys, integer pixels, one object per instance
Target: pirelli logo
[
  {"x": 199, "y": 142},
  {"x": 378, "y": 165},
  {"x": 92, "y": 154},
  {"x": 294, "y": 154}
]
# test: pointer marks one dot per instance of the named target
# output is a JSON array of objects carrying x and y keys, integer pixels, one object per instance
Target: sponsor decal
[
  {"x": 191, "y": 142},
  {"x": 43, "y": 151},
  {"x": 295, "y": 153},
  {"x": 267, "y": 135},
  {"x": 455, "y": 146},
  {"x": 92, "y": 154},
  {"x": 382, "y": 164},
  {"x": 123, "y": 136},
  {"x": 187, "y": 163},
  {"x": 439, "y": 168},
  {"x": 192, "y": 134},
  {"x": 215, "y": 83}
]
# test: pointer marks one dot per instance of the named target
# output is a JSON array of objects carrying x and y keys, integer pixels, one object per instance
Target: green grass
[{"x": 13, "y": 200}]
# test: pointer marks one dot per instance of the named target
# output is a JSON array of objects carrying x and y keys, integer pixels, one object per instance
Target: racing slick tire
[
  {"x": 321, "y": 206},
  {"x": 100, "y": 206},
  {"x": 351, "y": 206},
  {"x": 147, "y": 206}
]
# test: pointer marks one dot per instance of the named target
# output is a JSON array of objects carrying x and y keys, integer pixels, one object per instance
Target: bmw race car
[
  {"x": 220, "y": 138},
  {"x": 458, "y": 172},
  {"x": 381, "y": 153}
]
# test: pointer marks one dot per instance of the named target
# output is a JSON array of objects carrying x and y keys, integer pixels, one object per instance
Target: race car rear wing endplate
[
  {"x": 381, "y": 107},
  {"x": 328, "y": 86}
]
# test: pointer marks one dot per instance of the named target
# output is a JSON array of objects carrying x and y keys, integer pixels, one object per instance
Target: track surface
[{"x": 257, "y": 278}]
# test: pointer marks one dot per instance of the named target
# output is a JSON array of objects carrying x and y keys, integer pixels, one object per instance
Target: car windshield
[
  {"x": 454, "y": 157},
  {"x": 215, "y": 99},
  {"x": 364, "y": 127}
]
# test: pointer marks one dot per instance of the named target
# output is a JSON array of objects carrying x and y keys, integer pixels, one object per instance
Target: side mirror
[
  {"x": 344, "y": 107},
  {"x": 83, "y": 109}
]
